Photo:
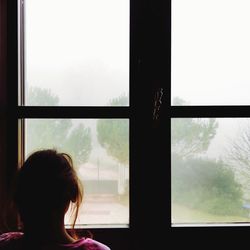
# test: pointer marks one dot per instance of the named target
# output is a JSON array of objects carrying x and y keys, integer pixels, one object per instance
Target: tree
[
  {"x": 238, "y": 154},
  {"x": 113, "y": 134},
  {"x": 41, "y": 97},
  {"x": 120, "y": 101},
  {"x": 190, "y": 136},
  {"x": 78, "y": 143},
  {"x": 206, "y": 185},
  {"x": 239, "y": 150},
  {"x": 200, "y": 183},
  {"x": 177, "y": 101},
  {"x": 61, "y": 134}
]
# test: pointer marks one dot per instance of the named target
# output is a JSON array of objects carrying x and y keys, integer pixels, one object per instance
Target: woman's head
[{"x": 46, "y": 185}]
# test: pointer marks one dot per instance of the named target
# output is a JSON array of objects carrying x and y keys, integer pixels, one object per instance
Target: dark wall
[
  {"x": 3, "y": 104},
  {"x": 3, "y": 50}
]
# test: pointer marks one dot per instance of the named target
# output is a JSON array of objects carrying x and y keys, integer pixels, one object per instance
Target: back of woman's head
[{"x": 46, "y": 184}]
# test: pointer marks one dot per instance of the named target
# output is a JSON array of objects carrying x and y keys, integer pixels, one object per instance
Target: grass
[{"x": 182, "y": 214}]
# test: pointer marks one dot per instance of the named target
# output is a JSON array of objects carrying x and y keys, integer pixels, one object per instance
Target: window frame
[
  {"x": 203, "y": 111},
  {"x": 56, "y": 112},
  {"x": 147, "y": 76}
]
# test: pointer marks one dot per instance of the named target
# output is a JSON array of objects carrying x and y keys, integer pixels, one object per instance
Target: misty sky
[
  {"x": 211, "y": 59},
  {"x": 78, "y": 48},
  {"x": 211, "y": 52},
  {"x": 228, "y": 130}
]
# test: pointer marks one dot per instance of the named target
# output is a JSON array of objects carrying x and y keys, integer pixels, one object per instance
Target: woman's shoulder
[
  {"x": 88, "y": 244},
  {"x": 10, "y": 240}
]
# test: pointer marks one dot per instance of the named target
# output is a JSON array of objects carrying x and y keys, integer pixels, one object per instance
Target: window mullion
[
  {"x": 74, "y": 112},
  {"x": 209, "y": 111}
]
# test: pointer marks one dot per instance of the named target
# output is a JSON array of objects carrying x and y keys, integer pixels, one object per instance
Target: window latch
[{"x": 157, "y": 103}]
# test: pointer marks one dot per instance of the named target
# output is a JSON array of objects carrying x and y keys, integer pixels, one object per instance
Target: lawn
[{"x": 182, "y": 214}]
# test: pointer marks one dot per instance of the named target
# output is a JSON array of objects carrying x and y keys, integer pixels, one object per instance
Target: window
[
  {"x": 78, "y": 57},
  {"x": 210, "y": 55},
  {"x": 210, "y": 181},
  {"x": 100, "y": 149},
  {"x": 79, "y": 52},
  {"x": 147, "y": 53},
  {"x": 209, "y": 143}
]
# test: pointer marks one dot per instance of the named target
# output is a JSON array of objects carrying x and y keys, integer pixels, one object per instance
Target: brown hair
[{"x": 47, "y": 182}]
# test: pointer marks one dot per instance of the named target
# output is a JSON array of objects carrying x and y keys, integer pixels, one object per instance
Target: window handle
[{"x": 157, "y": 103}]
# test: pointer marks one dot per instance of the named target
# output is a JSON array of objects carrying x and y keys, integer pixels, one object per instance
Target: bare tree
[
  {"x": 239, "y": 150},
  {"x": 238, "y": 155}
]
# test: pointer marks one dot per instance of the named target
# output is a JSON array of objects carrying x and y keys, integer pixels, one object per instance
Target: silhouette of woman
[{"x": 46, "y": 186}]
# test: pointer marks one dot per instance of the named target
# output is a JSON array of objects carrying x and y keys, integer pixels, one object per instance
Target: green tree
[
  {"x": 113, "y": 134},
  {"x": 61, "y": 134},
  {"x": 206, "y": 185},
  {"x": 190, "y": 136},
  {"x": 120, "y": 101},
  {"x": 78, "y": 143},
  {"x": 200, "y": 183},
  {"x": 41, "y": 97},
  {"x": 177, "y": 101}
]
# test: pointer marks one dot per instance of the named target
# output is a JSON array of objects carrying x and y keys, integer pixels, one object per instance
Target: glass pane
[
  {"x": 210, "y": 170},
  {"x": 78, "y": 50},
  {"x": 210, "y": 52},
  {"x": 100, "y": 151}
]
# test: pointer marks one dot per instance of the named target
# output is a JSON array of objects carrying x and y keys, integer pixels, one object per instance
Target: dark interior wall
[
  {"x": 8, "y": 100},
  {"x": 3, "y": 102},
  {"x": 3, "y": 54}
]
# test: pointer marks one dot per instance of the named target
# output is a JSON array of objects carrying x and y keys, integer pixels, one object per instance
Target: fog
[
  {"x": 79, "y": 49},
  {"x": 211, "y": 58},
  {"x": 228, "y": 130},
  {"x": 210, "y": 185},
  {"x": 210, "y": 66},
  {"x": 211, "y": 52}
]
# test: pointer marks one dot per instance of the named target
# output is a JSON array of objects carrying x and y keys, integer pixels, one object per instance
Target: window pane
[
  {"x": 100, "y": 151},
  {"x": 210, "y": 170},
  {"x": 210, "y": 52},
  {"x": 78, "y": 49}
]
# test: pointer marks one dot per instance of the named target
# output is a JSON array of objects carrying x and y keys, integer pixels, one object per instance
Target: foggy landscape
[
  {"x": 210, "y": 66},
  {"x": 78, "y": 55}
]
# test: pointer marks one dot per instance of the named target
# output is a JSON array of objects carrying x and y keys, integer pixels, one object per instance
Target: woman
[{"x": 46, "y": 186}]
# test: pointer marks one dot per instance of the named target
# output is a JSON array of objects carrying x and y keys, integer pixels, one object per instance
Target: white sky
[
  {"x": 211, "y": 59},
  {"x": 78, "y": 48},
  {"x": 228, "y": 130},
  {"x": 211, "y": 52}
]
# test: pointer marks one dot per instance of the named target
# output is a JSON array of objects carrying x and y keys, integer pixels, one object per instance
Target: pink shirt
[{"x": 14, "y": 241}]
